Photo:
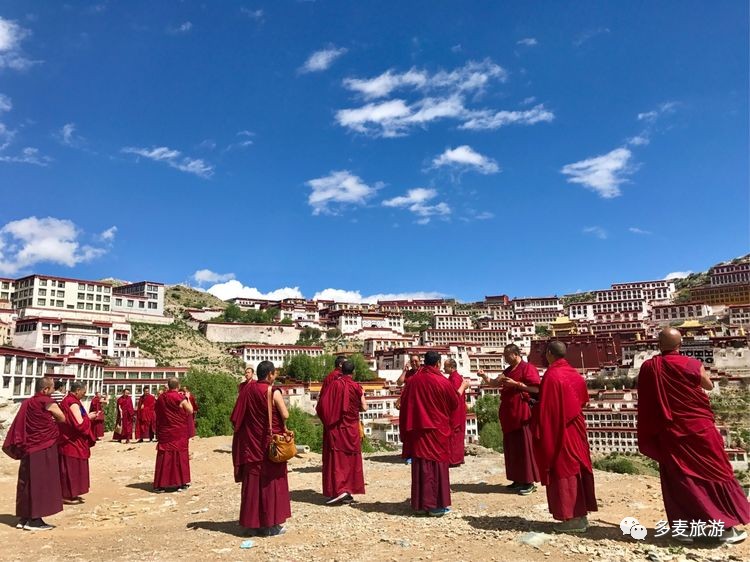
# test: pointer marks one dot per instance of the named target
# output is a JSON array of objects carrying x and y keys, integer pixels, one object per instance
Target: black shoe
[
  {"x": 526, "y": 489},
  {"x": 21, "y": 523},
  {"x": 37, "y": 525},
  {"x": 513, "y": 486},
  {"x": 349, "y": 499},
  {"x": 338, "y": 499},
  {"x": 160, "y": 490}
]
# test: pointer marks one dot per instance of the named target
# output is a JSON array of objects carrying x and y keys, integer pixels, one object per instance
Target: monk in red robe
[
  {"x": 125, "y": 417},
  {"x": 249, "y": 377},
  {"x": 333, "y": 375},
  {"x": 410, "y": 369},
  {"x": 32, "y": 439},
  {"x": 76, "y": 440},
  {"x": 428, "y": 402},
  {"x": 458, "y": 418},
  {"x": 560, "y": 443},
  {"x": 265, "y": 503},
  {"x": 338, "y": 408},
  {"x": 172, "y": 457},
  {"x": 191, "y": 418},
  {"x": 518, "y": 384},
  {"x": 97, "y": 422},
  {"x": 676, "y": 428},
  {"x": 146, "y": 428}
]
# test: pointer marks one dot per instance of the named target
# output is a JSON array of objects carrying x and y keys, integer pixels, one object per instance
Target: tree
[
  {"x": 307, "y": 429},
  {"x": 216, "y": 394},
  {"x": 491, "y": 437},
  {"x": 542, "y": 330},
  {"x": 309, "y": 336},
  {"x": 362, "y": 370},
  {"x": 304, "y": 368},
  {"x": 110, "y": 413},
  {"x": 486, "y": 409},
  {"x": 333, "y": 333}
]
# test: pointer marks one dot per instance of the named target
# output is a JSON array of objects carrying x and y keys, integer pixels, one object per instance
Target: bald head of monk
[
  {"x": 45, "y": 385},
  {"x": 555, "y": 350},
  {"x": 173, "y": 383},
  {"x": 670, "y": 339}
]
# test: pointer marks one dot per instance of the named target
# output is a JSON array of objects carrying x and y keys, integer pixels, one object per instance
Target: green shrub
[
  {"x": 616, "y": 463},
  {"x": 491, "y": 437},
  {"x": 110, "y": 414},
  {"x": 307, "y": 429},
  {"x": 486, "y": 409},
  {"x": 216, "y": 394}
]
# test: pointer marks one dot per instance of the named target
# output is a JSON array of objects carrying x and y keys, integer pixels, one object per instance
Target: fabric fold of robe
[
  {"x": 515, "y": 419},
  {"x": 145, "y": 427},
  {"x": 125, "y": 417},
  {"x": 458, "y": 423},
  {"x": 75, "y": 445},
  {"x": 97, "y": 424},
  {"x": 172, "y": 457}
]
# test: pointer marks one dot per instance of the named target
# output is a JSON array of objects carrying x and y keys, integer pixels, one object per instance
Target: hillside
[
  {"x": 179, "y": 297},
  {"x": 122, "y": 519},
  {"x": 698, "y": 279}
]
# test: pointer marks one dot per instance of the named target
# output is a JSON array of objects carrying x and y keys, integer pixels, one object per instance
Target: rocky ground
[{"x": 123, "y": 519}]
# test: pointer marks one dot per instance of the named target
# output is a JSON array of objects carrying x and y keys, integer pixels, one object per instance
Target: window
[
  {"x": 81, "y": 286},
  {"x": 105, "y": 307},
  {"x": 89, "y": 297},
  {"x": 90, "y": 287},
  {"x": 42, "y": 292},
  {"x": 130, "y": 304},
  {"x": 42, "y": 283},
  {"x": 118, "y": 302},
  {"x": 79, "y": 306},
  {"x": 98, "y": 288},
  {"x": 89, "y": 306},
  {"x": 41, "y": 302},
  {"x": 98, "y": 306},
  {"x": 153, "y": 305},
  {"x": 61, "y": 283},
  {"x": 98, "y": 297}
]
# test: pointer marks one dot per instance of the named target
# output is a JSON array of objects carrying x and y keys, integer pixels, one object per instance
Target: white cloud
[
  {"x": 416, "y": 201},
  {"x": 337, "y": 189},
  {"x": 252, "y": 14},
  {"x": 602, "y": 174},
  {"x": 466, "y": 157},
  {"x": 587, "y": 35},
  {"x": 6, "y": 136},
  {"x": 473, "y": 76},
  {"x": 487, "y": 119},
  {"x": 639, "y": 140},
  {"x": 109, "y": 234},
  {"x": 529, "y": 100},
  {"x": 636, "y": 230},
  {"x": 174, "y": 159},
  {"x": 67, "y": 135},
  {"x": 653, "y": 115},
  {"x": 677, "y": 275},
  {"x": 11, "y": 54},
  {"x": 457, "y": 48},
  {"x": 184, "y": 27},
  {"x": 245, "y": 140},
  {"x": 5, "y": 103},
  {"x": 342, "y": 295},
  {"x": 207, "y": 276},
  {"x": 233, "y": 289},
  {"x": 30, "y": 241},
  {"x": 527, "y": 41},
  {"x": 322, "y": 60},
  {"x": 597, "y": 231},
  {"x": 28, "y": 155}
]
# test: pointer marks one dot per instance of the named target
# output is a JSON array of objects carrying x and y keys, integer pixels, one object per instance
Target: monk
[
  {"x": 560, "y": 444},
  {"x": 265, "y": 503},
  {"x": 518, "y": 384},
  {"x": 146, "y": 428},
  {"x": 676, "y": 428},
  {"x": 191, "y": 418},
  {"x": 249, "y": 377},
  {"x": 428, "y": 402},
  {"x": 338, "y": 408},
  {"x": 32, "y": 439},
  {"x": 97, "y": 407},
  {"x": 458, "y": 418},
  {"x": 172, "y": 469},
  {"x": 125, "y": 417},
  {"x": 336, "y": 373},
  {"x": 76, "y": 440},
  {"x": 410, "y": 369}
]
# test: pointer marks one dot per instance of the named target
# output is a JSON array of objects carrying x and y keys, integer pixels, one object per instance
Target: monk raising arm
[
  {"x": 280, "y": 405},
  {"x": 187, "y": 406}
]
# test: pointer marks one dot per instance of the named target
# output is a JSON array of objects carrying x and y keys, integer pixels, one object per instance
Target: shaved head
[
  {"x": 669, "y": 339},
  {"x": 173, "y": 383},
  {"x": 45, "y": 382},
  {"x": 557, "y": 349}
]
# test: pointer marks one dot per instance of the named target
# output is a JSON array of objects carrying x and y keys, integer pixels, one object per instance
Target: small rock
[{"x": 534, "y": 539}]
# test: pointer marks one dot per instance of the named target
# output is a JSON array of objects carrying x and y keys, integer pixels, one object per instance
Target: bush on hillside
[
  {"x": 486, "y": 409},
  {"x": 216, "y": 394},
  {"x": 491, "y": 437},
  {"x": 307, "y": 429}
]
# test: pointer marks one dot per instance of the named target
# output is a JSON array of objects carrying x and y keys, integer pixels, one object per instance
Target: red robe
[
  {"x": 146, "y": 426},
  {"x": 265, "y": 500},
  {"x": 191, "y": 417},
  {"x": 330, "y": 377},
  {"x": 97, "y": 424},
  {"x": 406, "y": 450},
  {"x": 515, "y": 417},
  {"x": 75, "y": 445},
  {"x": 32, "y": 439},
  {"x": 338, "y": 409},
  {"x": 125, "y": 416},
  {"x": 172, "y": 458},
  {"x": 676, "y": 428},
  {"x": 560, "y": 443},
  {"x": 427, "y": 403},
  {"x": 458, "y": 423}
]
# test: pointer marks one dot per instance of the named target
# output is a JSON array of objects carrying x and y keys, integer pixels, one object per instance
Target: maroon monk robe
[
  {"x": 172, "y": 458},
  {"x": 427, "y": 402},
  {"x": 265, "y": 498},
  {"x": 97, "y": 424},
  {"x": 676, "y": 428},
  {"x": 329, "y": 378},
  {"x": 560, "y": 444},
  {"x": 32, "y": 439},
  {"x": 75, "y": 445},
  {"x": 406, "y": 449},
  {"x": 515, "y": 419},
  {"x": 338, "y": 408},
  {"x": 191, "y": 417},
  {"x": 146, "y": 428},
  {"x": 458, "y": 423},
  {"x": 125, "y": 416}
]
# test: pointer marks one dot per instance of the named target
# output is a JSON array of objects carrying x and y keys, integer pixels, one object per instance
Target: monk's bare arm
[
  {"x": 187, "y": 406},
  {"x": 363, "y": 404},
  {"x": 706, "y": 383},
  {"x": 402, "y": 378},
  {"x": 488, "y": 381},
  {"x": 56, "y": 412},
  {"x": 77, "y": 415},
  {"x": 280, "y": 405}
]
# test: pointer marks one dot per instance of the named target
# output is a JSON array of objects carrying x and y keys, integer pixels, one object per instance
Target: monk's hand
[
  {"x": 482, "y": 375},
  {"x": 92, "y": 415}
]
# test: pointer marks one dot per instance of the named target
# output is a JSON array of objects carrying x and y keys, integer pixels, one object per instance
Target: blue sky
[{"x": 458, "y": 148}]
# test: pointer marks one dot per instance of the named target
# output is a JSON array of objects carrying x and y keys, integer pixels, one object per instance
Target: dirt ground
[{"x": 122, "y": 519}]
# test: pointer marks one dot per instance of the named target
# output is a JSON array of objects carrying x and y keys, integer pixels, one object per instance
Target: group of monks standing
[{"x": 544, "y": 434}]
